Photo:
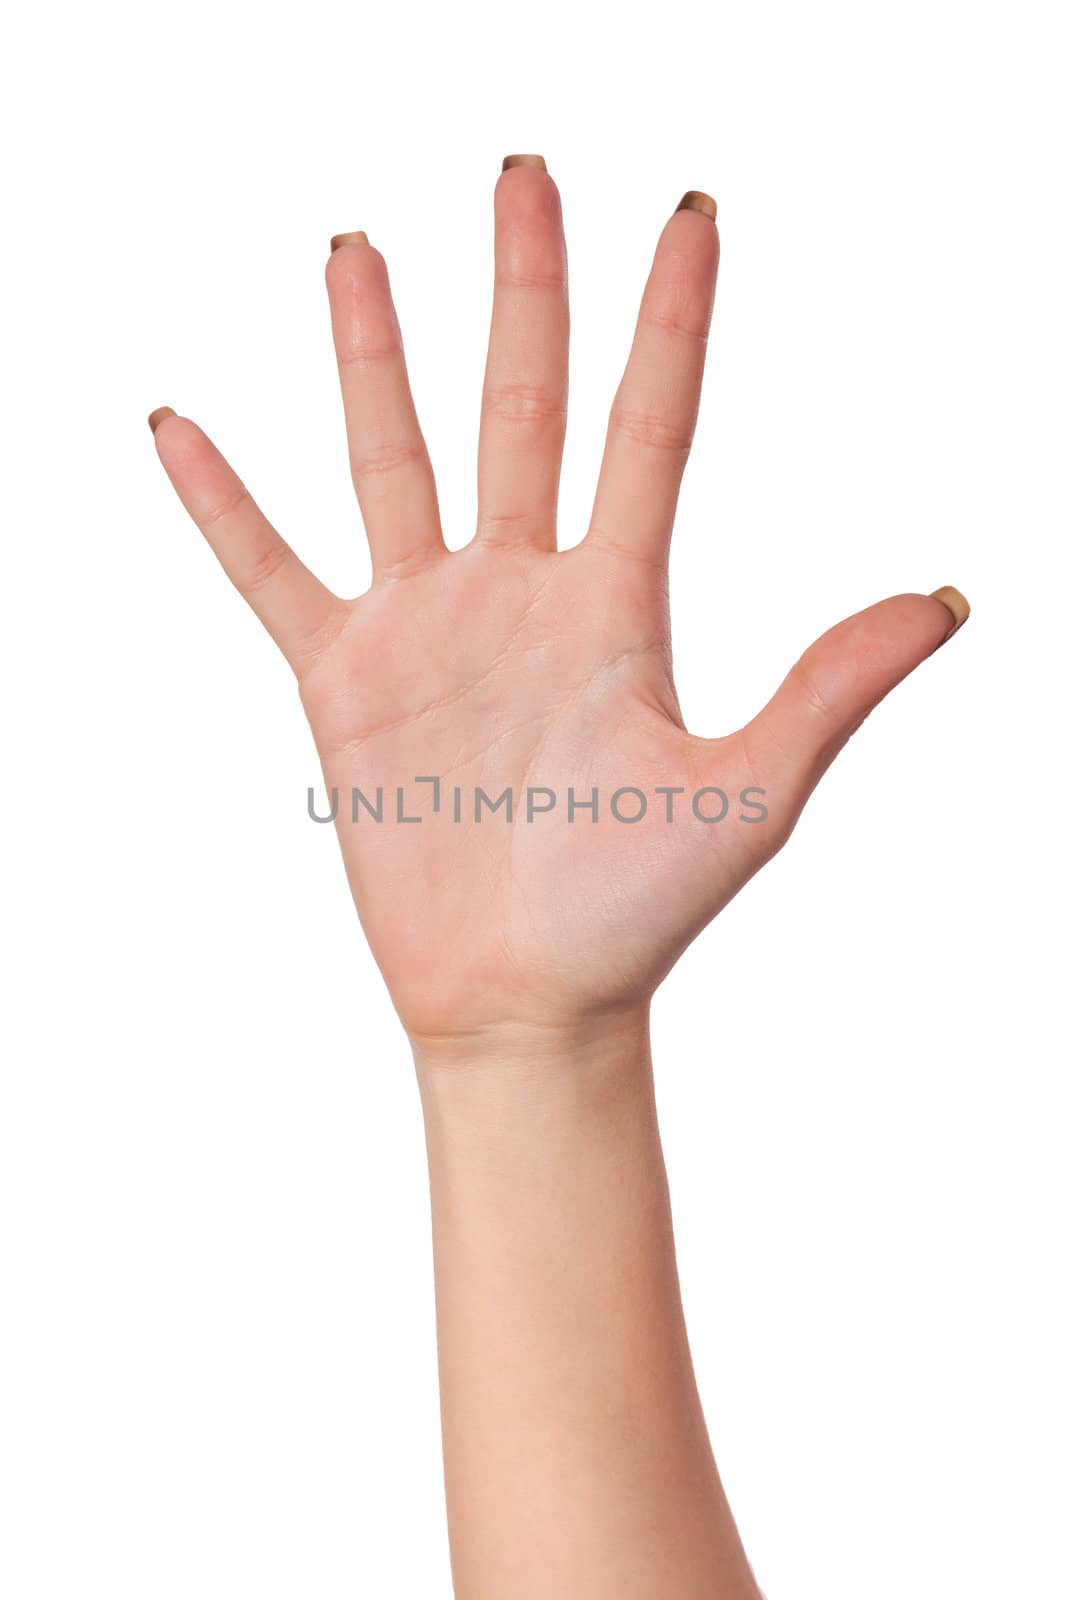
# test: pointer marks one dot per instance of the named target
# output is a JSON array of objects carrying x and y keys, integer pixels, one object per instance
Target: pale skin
[{"x": 522, "y": 957}]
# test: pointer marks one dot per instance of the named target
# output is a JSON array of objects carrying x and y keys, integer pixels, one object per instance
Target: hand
[{"x": 508, "y": 665}]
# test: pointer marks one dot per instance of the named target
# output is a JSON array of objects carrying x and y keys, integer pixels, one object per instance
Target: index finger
[{"x": 654, "y": 415}]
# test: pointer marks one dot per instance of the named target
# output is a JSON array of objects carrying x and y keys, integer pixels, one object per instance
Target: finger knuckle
[
  {"x": 386, "y": 459},
  {"x": 221, "y": 509},
  {"x": 265, "y": 566},
  {"x": 524, "y": 402},
  {"x": 656, "y": 432}
]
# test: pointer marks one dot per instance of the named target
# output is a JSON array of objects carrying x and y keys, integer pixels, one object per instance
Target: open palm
[{"x": 482, "y": 701}]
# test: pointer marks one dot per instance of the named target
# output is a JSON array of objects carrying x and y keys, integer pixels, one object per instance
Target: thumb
[{"x": 838, "y": 681}]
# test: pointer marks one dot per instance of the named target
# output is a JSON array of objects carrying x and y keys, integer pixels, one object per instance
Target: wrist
[
  {"x": 563, "y": 1066},
  {"x": 518, "y": 1045}
]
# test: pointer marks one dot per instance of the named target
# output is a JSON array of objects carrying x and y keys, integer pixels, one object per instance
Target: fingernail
[
  {"x": 693, "y": 200},
  {"x": 955, "y": 604},
  {"x": 156, "y": 417},
  {"x": 524, "y": 161},
  {"x": 347, "y": 238}
]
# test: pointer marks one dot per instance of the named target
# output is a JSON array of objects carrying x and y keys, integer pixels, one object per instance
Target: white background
[{"x": 217, "y": 1374}]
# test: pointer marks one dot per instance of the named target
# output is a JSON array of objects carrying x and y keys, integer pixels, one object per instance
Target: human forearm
[{"x": 576, "y": 1457}]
